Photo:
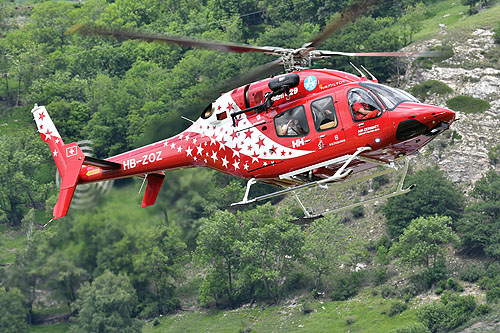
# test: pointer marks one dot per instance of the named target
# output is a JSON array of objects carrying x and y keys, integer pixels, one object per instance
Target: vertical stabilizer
[{"x": 68, "y": 158}]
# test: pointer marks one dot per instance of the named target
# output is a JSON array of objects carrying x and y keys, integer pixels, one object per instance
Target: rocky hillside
[{"x": 473, "y": 70}]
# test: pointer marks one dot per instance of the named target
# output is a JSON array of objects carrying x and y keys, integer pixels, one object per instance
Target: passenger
[{"x": 292, "y": 128}]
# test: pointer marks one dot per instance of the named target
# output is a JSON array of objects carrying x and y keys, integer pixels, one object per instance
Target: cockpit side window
[
  {"x": 363, "y": 104},
  {"x": 292, "y": 122},
  {"x": 391, "y": 97},
  {"x": 323, "y": 113}
]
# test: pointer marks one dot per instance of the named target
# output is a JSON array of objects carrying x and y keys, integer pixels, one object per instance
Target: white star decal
[
  {"x": 265, "y": 163},
  {"x": 188, "y": 151},
  {"x": 255, "y": 159},
  {"x": 57, "y": 141},
  {"x": 172, "y": 145},
  {"x": 200, "y": 150},
  {"x": 55, "y": 153},
  {"x": 224, "y": 161},
  {"x": 245, "y": 166},
  {"x": 212, "y": 141},
  {"x": 165, "y": 143},
  {"x": 187, "y": 137},
  {"x": 236, "y": 165},
  {"x": 194, "y": 141},
  {"x": 181, "y": 136},
  {"x": 179, "y": 149},
  {"x": 214, "y": 156}
]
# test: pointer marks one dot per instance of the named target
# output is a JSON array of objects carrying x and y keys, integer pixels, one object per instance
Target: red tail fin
[{"x": 69, "y": 159}]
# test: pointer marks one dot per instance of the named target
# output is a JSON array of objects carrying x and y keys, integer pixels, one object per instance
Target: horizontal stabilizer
[{"x": 103, "y": 164}]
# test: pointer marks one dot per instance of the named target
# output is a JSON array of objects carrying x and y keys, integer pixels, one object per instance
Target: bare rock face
[{"x": 465, "y": 157}]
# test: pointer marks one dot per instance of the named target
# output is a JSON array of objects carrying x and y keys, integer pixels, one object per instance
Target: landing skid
[{"x": 308, "y": 216}]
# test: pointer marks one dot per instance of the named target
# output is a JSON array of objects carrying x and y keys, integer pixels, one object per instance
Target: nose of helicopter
[{"x": 421, "y": 119}]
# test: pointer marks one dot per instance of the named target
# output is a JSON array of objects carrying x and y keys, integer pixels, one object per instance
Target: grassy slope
[{"x": 365, "y": 312}]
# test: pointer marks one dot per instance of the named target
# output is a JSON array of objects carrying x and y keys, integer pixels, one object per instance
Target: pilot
[{"x": 361, "y": 107}]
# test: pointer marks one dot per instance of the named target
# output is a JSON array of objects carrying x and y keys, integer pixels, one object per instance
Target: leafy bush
[
  {"x": 346, "y": 286},
  {"x": 430, "y": 87},
  {"x": 307, "y": 308},
  {"x": 472, "y": 273},
  {"x": 496, "y": 34},
  {"x": 479, "y": 229},
  {"x": 397, "y": 308},
  {"x": 482, "y": 309},
  {"x": 415, "y": 328},
  {"x": 493, "y": 295},
  {"x": 388, "y": 291},
  {"x": 434, "y": 194},
  {"x": 468, "y": 104},
  {"x": 494, "y": 154},
  {"x": 350, "y": 320},
  {"x": 451, "y": 312},
  {"x": 358, "y": 212},
  {"x": 452, "y": 284}
]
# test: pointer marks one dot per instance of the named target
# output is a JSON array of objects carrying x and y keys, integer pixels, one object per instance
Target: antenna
[
  {"x": 374, "y": 79},
  {"x": 187, "y": 119},
  {"x": 359, "y": 71}
]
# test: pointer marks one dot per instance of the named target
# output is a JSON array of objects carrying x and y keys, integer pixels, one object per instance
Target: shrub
[
  {"x": 346, "y": 286},
  {"x": 415, "y": 328},
  {"x": 472, "y": 273},
  {"x": 481, "y": 310},
  {"x": 451, "y": 312},
  {"x": 452, "y": 284},
  {"x": 307, "y": 308},
  {"x": 396, "y": 308},
  {"x": 430, "y": 87},
  {"x": 358, "y": 212},
  {"x": 496, "y": 34},
  {"x": 468, "y": 104},
  {"x": 350, "y": 320},
  {"x": 388, "y": 291},
  {"x": 434, "y": 194},
  {"x": 494, "y": 154},
  {"x": 493, "y": 295}
]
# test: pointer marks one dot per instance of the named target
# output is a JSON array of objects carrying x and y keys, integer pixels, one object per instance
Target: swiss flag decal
[{"x": 71, "y": 151}]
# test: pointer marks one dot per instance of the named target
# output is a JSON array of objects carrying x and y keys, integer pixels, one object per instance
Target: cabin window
[
  {"x": 292, "y": 122},
  {"x": 363, "y": 104},
  {"x": 323, "y": 113},
  {"x": 208, "y": 111}
]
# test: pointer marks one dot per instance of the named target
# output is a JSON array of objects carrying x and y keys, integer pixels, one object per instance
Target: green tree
[
  {"x": 325, "y": 246},
  {"x": 271, "y": 246},
  {"x": 157, "y": 264},
  {"x": 62, "y": 277},
  {"x": 12, "y": 311},
  {"x": 412, "y": 20},
  {"x": 434, "y": 194},
  {"x": 422, "y": 242},
  {"x": 218, "y": 250},
  {"x": 107, "y": 305},
  {"x": 479, "y": 229},
  {"x": 25, "y": 178}
]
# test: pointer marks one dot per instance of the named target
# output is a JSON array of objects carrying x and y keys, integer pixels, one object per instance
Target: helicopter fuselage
[{"x": 254, "y": 146}]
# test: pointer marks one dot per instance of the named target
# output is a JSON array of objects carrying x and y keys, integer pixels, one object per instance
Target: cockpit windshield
[{"x": 391, "y": 97}]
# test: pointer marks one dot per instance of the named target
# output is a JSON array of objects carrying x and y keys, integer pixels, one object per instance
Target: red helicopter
[{"x": 304, "y": 128}]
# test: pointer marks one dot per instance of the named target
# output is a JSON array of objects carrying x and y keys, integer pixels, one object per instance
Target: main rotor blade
[
  {"x": 327, "y": 54},
  {"x": 352, "y": 13},
  {"x": 253, "y": 75},
  {"x": 87, "y": 29}
]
